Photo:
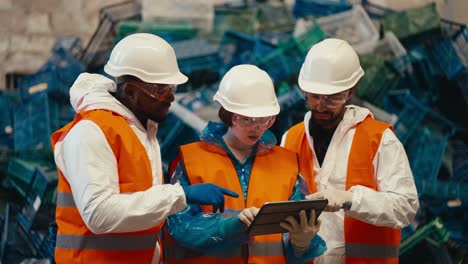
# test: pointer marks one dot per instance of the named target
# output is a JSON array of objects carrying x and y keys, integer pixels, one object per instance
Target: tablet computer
[{"x": 268, "y": 219}]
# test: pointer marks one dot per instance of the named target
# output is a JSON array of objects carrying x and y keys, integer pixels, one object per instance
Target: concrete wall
[{"x": 28, "y": 29}]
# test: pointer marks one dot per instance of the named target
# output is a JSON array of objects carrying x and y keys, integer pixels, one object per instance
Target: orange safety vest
[
  {"x": 75, "y": 242},
  {"x": 273, "y": 176},
  {"x": 364, "y": 243}
]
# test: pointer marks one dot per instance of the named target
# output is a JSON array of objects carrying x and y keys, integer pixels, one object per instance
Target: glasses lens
[
  {"x": 245, "y": 121},
  {"x": 158, "y": 91},
  {"x": 331, "y": 101}
]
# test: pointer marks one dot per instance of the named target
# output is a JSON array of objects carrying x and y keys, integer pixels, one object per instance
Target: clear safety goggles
[
  {"x": 330, "y": 101},
  {"x": 245, "y": 121}
]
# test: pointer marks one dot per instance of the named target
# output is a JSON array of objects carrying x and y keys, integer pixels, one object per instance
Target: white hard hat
[
  {"x": 247, "y": 90},
  {"x": 331, "y": 66},
  {"x": 147, "y": 57}
]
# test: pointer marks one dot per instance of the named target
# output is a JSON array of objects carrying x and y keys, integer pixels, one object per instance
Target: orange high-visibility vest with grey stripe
[
  {"x": 273, "y": 176},
  {"x": 75, "y": 242},
  {"x": 364, "y": 243}
]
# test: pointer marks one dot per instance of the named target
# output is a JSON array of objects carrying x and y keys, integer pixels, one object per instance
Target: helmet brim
[
  {"x": 255, "y": 111},
  {"x": 327, "y": 89},
  {"x": 177, "y": 78}
]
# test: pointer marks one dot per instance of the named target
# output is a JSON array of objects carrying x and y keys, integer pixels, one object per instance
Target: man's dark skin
[{"x": 143, "y": 106}]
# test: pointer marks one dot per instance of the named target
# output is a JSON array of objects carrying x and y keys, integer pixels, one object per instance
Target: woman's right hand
[{"x": 247, "y": 215}]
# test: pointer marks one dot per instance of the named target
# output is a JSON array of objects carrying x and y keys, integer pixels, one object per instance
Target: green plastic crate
[
  {"x": 413, "y": 24},
  {"x": 172, "y": 31},
  {"x": 377, "y": 81}
]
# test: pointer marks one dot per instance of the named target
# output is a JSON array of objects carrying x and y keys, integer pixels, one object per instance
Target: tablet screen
[{"x": 272, "y": 214}]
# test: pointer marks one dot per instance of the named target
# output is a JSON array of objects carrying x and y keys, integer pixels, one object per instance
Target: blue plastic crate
[
  {"x": 407, "y": 232},
  {"x": 32, "y": 124},
  {"x": 425, "y": 150},
  {"x": 462, "y": 83},
  {"x": 6, "y": 120},
  {"x": 460, "y": 162},
  {"x": 273, "y": 37},
  {"x": 424, "y": 74},
  {"x": 55, "y": 77},
  {"x": 67, "y": 65},
  {"x": 375, "y": 11},
  {"x": 411, "y": 114},
  {"x": 38, "y": 203},
  {"x": 378, "y": 80},
  {"x": 196, "y": 54},
  {"x": 196, "y": 100},
  {"x": 43, "y": 185},
  {"x": 273, "y": 16},
  {"x": 95, "y": 55},
  {"x": 236, "y": 48},
  {"x": 70, "y": 43},
  {"x": 285, "y": 61},
  {"x": 445, "y": 54},
  {"x": 20, "y": 175},
  {"x": 7, "y": 234},
  {"x": 263, "y": 48},
  {"x": 424, "y": 132},
  {"x": 171, "y": 134},
  {"x": 450, "y": 51},
  {"x": 46, "y": 248},
  {"x": 61, "y": 113},
  {"x": 282, "y": 63},
  {"x": 354, "y": 26},
  {"x": 442, "y": 190},
  {"x": 44, "y": 81},
  {"x": 232, "y": 19},
  {"x": 304, "y": 8}
]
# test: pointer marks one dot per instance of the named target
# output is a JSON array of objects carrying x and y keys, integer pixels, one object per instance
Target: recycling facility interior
[{"x": 414, "y": 53}]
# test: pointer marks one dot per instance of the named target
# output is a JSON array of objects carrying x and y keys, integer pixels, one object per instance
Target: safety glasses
[
  {"x": 244, "y": 121},
  {"x": 160, "y": 92},
  {"x": 330, "y": 101}
]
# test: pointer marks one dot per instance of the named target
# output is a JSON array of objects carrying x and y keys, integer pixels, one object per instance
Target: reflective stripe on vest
[
  {"x": 266, "y": 248},
  {"x": 258, "y": 249},
  {"x": 372, "y": 251},
  {"x": 110, "y": 242},
  {"x": 65, "y": 199}
]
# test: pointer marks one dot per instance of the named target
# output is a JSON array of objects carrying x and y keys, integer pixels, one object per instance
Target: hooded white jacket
[
  {"x": 395, "y": 204},
  {"x": 90, "y": 167}
]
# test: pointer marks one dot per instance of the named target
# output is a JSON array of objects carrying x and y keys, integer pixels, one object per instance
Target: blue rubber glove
[{"x": 207, "y": 194}]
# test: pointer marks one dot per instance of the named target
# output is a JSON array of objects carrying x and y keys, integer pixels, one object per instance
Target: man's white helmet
[
  {"x": 247, "y": 90},
  {"x": 331, "y": 66},
  {"x": 147, "y": 57}
]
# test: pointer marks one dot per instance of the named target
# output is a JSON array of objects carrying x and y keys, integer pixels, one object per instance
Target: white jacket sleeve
[
  {"x": 283, "y": 139},
  {"x": 90, "y": 167},
  {"x": 396, "y": 202}
]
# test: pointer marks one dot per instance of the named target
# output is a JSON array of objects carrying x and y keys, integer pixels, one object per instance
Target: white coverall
[
  {"x": 90, "y": 167},
  {"x": 395, "y": 204}
]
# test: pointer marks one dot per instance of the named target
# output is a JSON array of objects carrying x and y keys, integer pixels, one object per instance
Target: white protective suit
[
  {"x": 395, "y": 204},
  {"x": 90, "y": 167}
]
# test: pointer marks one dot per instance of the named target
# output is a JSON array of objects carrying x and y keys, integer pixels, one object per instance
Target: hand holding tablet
[{"x": 268, "y": 219}]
